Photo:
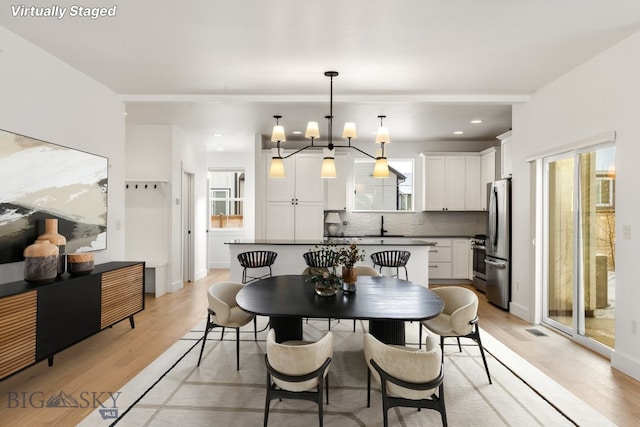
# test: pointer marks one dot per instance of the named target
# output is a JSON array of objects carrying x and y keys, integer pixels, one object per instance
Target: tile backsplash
[{"x": 413, "y": 224}]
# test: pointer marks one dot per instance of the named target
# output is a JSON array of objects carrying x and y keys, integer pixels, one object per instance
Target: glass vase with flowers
[{"x": 348, "y": 256}]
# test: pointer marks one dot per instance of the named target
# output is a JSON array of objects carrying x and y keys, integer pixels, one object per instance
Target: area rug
[{"x": 174, "y": 391}]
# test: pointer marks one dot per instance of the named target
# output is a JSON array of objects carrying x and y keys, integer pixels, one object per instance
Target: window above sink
[{"x": 395, "y": 193}]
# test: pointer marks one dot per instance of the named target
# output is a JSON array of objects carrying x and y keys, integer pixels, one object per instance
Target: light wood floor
[{"x": 109, "y": 359}]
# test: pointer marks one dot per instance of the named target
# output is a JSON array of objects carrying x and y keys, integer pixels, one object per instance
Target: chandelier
[{"x": 380, "y": 169}]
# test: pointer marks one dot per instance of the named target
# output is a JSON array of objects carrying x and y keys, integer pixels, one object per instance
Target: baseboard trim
[
  {"x": 626, "y": 364},
  {"x": 519, "y": 310}
]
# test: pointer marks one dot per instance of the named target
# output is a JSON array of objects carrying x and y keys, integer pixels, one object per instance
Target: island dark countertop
[{"x": 368, "y": 241}]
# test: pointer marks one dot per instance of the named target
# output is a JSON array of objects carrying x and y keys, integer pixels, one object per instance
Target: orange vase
[
  {"x": 51, "y": 234},
  {"x": 349, "y": 277},
  {"x": 41, "y": 262}
]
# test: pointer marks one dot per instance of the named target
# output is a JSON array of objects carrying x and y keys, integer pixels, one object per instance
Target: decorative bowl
[{"x": 80, "y": 264}]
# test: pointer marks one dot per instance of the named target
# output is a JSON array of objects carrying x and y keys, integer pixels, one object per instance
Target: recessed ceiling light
[
  {"x": 476, "y": 121},
  {"x": 297, "y": 132},
  {"x": 458, "y": 132}
]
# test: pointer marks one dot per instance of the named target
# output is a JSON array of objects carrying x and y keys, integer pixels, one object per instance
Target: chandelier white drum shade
[{"x": 381, "y": 168}]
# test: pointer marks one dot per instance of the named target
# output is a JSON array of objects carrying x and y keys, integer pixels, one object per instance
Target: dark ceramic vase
[{"x": 41, "y": 262}]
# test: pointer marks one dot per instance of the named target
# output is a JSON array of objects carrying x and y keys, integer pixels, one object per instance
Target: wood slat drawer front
[
  {"x": 17, "y": 332},
  {"x": 122, "y": 294}
]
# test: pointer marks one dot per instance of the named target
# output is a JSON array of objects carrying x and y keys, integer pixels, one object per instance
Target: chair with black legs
[
  {"x": 256, "y": 259},
  {"x": 393, "y": 259},
  {"x": 459, "y": 318},
  {"x": 224, "y": 312},
  {"x": 408, "y": 377},
  {"x": 298, "y": 370}
]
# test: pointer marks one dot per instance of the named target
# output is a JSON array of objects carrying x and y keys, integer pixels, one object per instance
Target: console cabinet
[{"x": 38, "y": 321}]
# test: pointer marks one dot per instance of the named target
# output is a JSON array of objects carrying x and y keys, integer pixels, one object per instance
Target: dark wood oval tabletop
[{"x": 376, "y": 299}]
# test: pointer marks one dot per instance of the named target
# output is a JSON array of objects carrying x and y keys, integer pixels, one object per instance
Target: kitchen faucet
[{"x": 382, "y": 230}]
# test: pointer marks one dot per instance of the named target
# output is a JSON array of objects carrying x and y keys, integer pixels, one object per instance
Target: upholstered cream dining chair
[
  {"x": 458, "y": 319},
  {"x": 408, "y": 377},
  {"x": 224, "y": 312},
  {"x": 298, "y": 370}
]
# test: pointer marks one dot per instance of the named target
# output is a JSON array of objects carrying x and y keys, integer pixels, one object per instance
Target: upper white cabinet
[
  {"x": 451, "y": 181},
  {"x": 294, "y": 208},
  {"x": 505, "y": 155},
  {"x": 335, "y": 191},
  {"x": 489, "y": 171}
]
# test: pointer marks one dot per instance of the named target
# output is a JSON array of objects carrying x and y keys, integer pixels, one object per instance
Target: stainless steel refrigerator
[{"x": 498, "y": 244}]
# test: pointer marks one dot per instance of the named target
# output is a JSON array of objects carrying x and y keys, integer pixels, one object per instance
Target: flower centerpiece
[
  {"x": 347, "y": 257},
  {"x": 326, "y": 284},
  {"x": 322, "y": 261}
]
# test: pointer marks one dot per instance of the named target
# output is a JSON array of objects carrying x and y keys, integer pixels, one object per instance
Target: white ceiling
[{"x": 226, "y": 67}]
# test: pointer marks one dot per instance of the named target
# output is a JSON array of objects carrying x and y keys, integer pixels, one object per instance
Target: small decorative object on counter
[
  {"x": 41, "y": 262},
  {"x": 80, "y": 263},
  {"x": 51, "y": 234}
]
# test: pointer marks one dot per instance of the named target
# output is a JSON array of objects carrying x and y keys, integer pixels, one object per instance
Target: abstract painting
[{"x": 41, "y": 180}]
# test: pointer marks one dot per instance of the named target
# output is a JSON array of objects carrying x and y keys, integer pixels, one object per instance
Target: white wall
[
  {"x": 188, "y": 155},
  {"x": 44, "y": 98},
  {"x": 597, "y": 97},
  {"x": 147, "y": 198}
]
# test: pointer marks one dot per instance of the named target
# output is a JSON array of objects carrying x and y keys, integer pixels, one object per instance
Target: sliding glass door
[{"x": 579, "y": 263}]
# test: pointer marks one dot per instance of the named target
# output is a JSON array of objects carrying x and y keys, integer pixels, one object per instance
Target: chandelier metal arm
[{"x": 326, "y": 146}]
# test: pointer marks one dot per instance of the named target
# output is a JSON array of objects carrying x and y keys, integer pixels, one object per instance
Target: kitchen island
[{"x": 290, "y": 260}]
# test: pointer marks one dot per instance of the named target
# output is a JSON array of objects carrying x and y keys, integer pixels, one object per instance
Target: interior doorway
[{"x": 188, "y": 209}]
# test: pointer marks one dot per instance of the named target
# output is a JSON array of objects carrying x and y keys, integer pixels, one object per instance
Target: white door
[
  {"x": 455, "y": 183},
  {"x": 309, "y": 221},
  {"x": 280, "y": 221},
  {"x": 309, "y": 187},
  {"x": 188, "y": 209},
  {"x": 473, "y": 198},
  {"x": 434, "y": 183}
]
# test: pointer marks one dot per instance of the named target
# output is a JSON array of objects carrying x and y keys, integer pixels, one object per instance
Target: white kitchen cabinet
[
  {"x": 294, "y": 221},
  {"x": 440, "y": 259},
  {"x": 461, "y": 259},
  {"x": 295, "y": 204},
  {"x": 449, "y": 258},
  {"x": 451, "y": 182},
  {"x": 506, "y": 166},
  {"x": 473, "y": 197},
  {"x": 335, "y": 190}
]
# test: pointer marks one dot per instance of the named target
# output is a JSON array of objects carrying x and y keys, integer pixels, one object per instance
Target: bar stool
[
  {"x": 393, "y": 259},
  {"x": 256, "y": 259}
]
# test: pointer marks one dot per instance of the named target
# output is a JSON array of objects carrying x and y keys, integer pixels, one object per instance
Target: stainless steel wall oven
[{"x": 479, "y": 268}]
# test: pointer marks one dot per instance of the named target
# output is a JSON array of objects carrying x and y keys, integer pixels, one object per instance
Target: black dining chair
[
  {"x": 323, "y": 260},
  {"x": 256, "y": 259},
  {"x": 394, "y": 259}
]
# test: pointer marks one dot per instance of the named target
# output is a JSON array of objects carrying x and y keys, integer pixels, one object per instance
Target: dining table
[{"x": 386, "y": 302}]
